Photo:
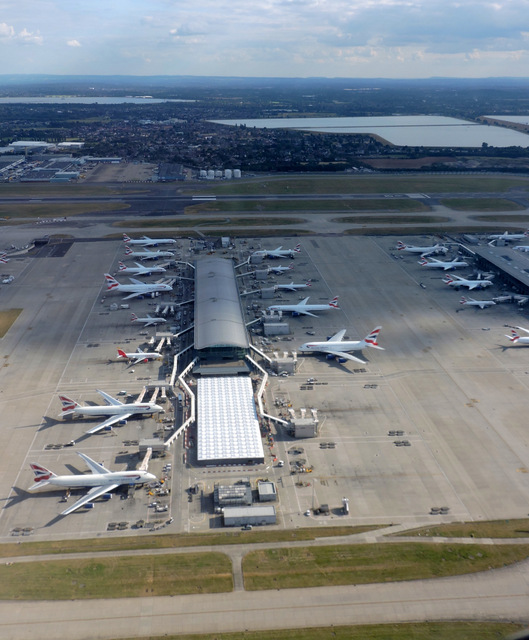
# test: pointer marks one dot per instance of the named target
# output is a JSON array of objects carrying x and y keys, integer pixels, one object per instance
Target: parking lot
[{"x": 449, "y": 385}]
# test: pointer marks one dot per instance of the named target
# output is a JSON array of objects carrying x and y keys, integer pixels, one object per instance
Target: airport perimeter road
[{"x": 496, "y": 595}]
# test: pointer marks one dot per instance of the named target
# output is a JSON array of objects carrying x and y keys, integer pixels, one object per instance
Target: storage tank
[
  {"x": 228, "y": 174},
  {"x": 211, "y": 174},
  {"x": 203, "y": 174},
  {"x": 236, "y": 173},
  {"x": 218, "y": 173}
]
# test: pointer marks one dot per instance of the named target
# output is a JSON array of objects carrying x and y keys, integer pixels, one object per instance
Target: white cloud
[
  {"x": 30, "y": 38},
  {"x": 6, "y": 30},
  {"x": 73, "y": 43}
]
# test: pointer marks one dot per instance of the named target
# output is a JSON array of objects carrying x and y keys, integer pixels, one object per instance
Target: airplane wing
[
  {"x": 306, "y": 313},
  {"x": 94, "y": 493},
  {"x": 136, "y": 294},
  {"x": 110, "y": 399},
  {"x": 145, "y": 462},
  {"x": 109, "y": 422},
  {"x": 95, "y": 467},
  {"x": 337, "y": 337},
  {"x": 343, "y": 354},
  {"x": 522, "y": 329},
  {"x": 136, "y": 281}
]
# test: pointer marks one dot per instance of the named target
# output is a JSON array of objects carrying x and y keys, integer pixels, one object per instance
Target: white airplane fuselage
[
  {"x": 149, "y": 255},
  {"x": 116, "y": 410},
  {"x": 102, "y": 479},
  {"x": 141, "y": 271}
]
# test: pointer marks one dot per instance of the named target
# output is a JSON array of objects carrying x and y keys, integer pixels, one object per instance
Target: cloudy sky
[{"x": 281, "y": 38}]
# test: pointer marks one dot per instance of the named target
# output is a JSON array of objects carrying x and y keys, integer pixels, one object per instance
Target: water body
[
  {"x": 87, "y": 100},
  {"x": 413, "y": 131}
]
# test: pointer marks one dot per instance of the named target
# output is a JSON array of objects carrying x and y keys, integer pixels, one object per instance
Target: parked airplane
[
  {"x": 99, "y": 481},
  {"x": 148, "y": 255},
  {"x": 279, "y": 252},
  {"x": 482, "y": 304},
  {"x": 3, "y": 258},
  {"x": 302, "y": 308},
  {"x": 293, "y": 286},
  {"x": 424, "y": 251},
  {"x": 140, "y": 356},
  {"x": 140, "y": 270},
  {"x": 522, "y": 247},
  {"x": 135, "y": 289},
  {"x": 115, "y": 409},
  {"x": 145, "y": 241},
  {"x": 434, "y": 263},
  {"x": 463, "y": 282},
  {"x": 148, "y": 320},
  {"x": 280, "y": 269},
  {"x": 516, "y": 338},
  {"x": 337, "y": 347},
  {"x": 509, "y": 237}
]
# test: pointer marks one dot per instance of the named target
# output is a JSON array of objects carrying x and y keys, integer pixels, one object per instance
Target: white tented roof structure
[{"x": 228, "y": 429}]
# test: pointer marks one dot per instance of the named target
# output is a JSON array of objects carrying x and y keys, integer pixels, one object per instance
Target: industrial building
[{"x": 257, "y": 515}]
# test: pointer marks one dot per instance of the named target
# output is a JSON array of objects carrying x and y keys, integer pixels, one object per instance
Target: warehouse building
[{"x": 257, "y": 515}]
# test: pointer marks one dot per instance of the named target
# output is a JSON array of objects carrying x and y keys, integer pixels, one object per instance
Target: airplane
[
  {"x": 434, "y": 263},
  {"x": 115, "y": 409},
  {"x": 516, "y": 338},
  {"x": 140, "y": 270},
  {"x": 145, "y": 241},
  {"x": 100, "y": 481},
  {"x": 424, "y": 251},
  {"x": 3, "y": 258},
  {"x": 482, "y": 304},
  {"x": 135, "y": 289},
  {"x": 279, "y": 252},
  {"x": 508, "y": 237},
  {"x": 148, "y": 320},
  {"x": 292, "y": 286},
  {"x": 463, "y": 282},
  {"x": 148, "y": 255},
  {"x": 339, "y": 348},
  {"x": 280, "y": 268},
  {"x": 304, "y": 308},
  {"x": 522, "y": 247},
  {"x": 139, "y": 356}
]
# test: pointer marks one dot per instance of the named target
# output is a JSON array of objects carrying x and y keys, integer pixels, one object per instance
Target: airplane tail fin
[
  {"x": 112, "y": 283},
  {"x": 126, "y": 238},
  {"x": 42, "y": 476},
  {"x": 121, "y": 354},
  {"x": 68, "y": 406},
  {"x": 400, "y": 245},
  {"x": 423, "y": 262},
  {"x": 297, "y": 248},
  {"x": 463, "y": 300},
  {"x": 122, "y": 266},
  {"x": 308, "y": 283},
  {"x": 371, "y": 340},
  {"x": 133, "y": 317},
  {"x": 334, "y": 303},
  {"x": 291, "y": 265},
  {"x": 448, "y": 279},
  {"x": 3, "y": 259},
  {"x": 514, "y": 337},
  {"x": 128, "y": 251}
]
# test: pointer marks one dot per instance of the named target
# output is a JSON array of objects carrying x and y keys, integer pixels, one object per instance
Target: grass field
[
  {"x": 125, "y": 577},
  {"x": 17, "y": 211},
  {"x": 392, "y": 220},
  {"x": 520, "y": 218},
  {"x": 308, "y": 206},
  {"x": 132, "y": 543},
  {"x": 486, "y": 529},
  {"x": 7, "y": 318},
  {"x": 359, "y": 564},
  {"x": 481, "y": 204},
  {"x": 322, "y": 184},
  {"x": 416, "y": 631},
  {"x": 186, "y": 223}
]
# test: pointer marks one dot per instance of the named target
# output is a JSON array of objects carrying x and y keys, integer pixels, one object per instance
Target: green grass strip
[
  {"x": 360, "y": 564},
  {"x": 118, "y": 577},
  {"x": 415, "y": 631},
  {"x": 485, "y": 529},
  {"x": 7, "y": 318},
  {"x": 481, "y": 204}
]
